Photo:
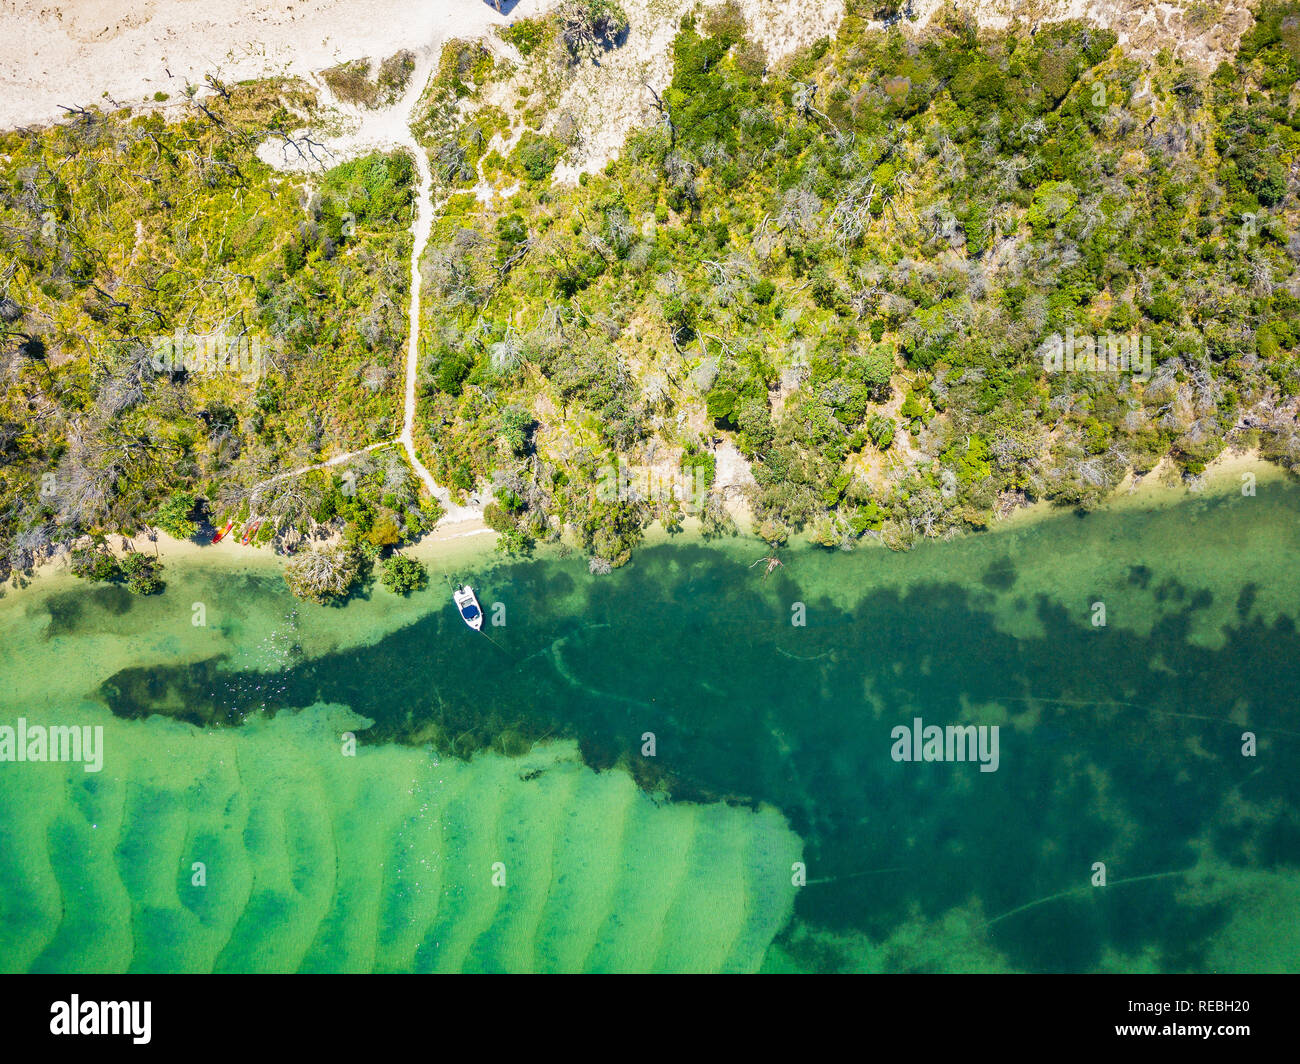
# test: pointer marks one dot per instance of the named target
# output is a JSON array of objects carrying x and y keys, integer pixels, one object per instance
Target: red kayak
[
  {"x": 250, "y": 531},
  {"x": 219, "y": 535}
]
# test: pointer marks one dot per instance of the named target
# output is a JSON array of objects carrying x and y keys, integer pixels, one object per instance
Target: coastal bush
[
  {"x": 181, "y": 365},
  {"x": 176, "y": 515},
  {"x": 871, "y": 243},
  {"x": 586, "y": 25},
  {"x": 142, "y": 573},
  {"x": 351, "y": 83},
  {"x": 402, "y": 575},
  {"x": 323, "y": 574},
  {"x": 537, "y": 155},
  {"x": 526, "y": 34},
  {"x": 95, "y": 563}
]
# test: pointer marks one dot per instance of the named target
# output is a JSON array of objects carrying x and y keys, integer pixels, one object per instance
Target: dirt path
[
  {"x": 387, "y": 130},
  {"x": 420, "y": 230},
  {"x": 338, "y": 459}
]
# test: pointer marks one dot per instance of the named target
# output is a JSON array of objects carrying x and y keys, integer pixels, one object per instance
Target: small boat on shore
[
  {"x": 468, "y": 606},
  {"x": 250, "y": 531},
  {"x": 224, "y": 532}
]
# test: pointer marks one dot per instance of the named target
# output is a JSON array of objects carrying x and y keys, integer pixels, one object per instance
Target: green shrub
[
  {"x": 537, "y": 155},
  {"x": 526, "y": 34},
  {"x": 881, "y": 431},
  {"x": 142, "y": 573},
  {"x": 176, "y": 515},
  {"x": 95, "y": 563},
  {"x": 323, "y": 574},
  {"x": 517, "y": 427},
  {"x": 402, "y": 575}
]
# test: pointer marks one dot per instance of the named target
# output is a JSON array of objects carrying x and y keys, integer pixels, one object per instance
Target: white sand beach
[
  {"x": 72, "y": 54},
  {"x": 83, "y": 52}
]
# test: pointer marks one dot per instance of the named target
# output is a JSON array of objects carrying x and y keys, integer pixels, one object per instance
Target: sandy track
[{"x": 421, "y": 227}]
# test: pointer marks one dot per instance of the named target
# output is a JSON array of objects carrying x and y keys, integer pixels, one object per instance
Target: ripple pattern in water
[{"x": 380, "y": 862}]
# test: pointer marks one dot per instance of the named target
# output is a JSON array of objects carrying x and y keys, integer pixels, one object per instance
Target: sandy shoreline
[
  {"x": 1161, "y": 486},
  {"x": 458, "y": 541},
  {"x": 126, "y": 50},
  {"x": 469, "y": 541}
]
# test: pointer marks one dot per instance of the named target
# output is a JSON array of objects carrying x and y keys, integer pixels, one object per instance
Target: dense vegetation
[
  {"x": 843, "y": 270},
  {"x": 402, "y": 575},
  {"x": 181, "y": 322},
  {"x": 848, "y": 266}
]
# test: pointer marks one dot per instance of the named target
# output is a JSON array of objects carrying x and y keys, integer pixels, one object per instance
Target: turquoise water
[{"x": 1120, "y": 745}]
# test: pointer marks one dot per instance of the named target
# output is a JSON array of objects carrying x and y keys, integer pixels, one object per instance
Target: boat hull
[{"x": 468, "y": 608}]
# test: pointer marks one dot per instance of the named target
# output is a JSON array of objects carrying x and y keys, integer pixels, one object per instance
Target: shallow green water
[{"x": 1119, "y": 744}]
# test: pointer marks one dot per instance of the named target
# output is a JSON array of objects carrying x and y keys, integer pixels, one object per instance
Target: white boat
[{"x": 468, "y": 606}]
